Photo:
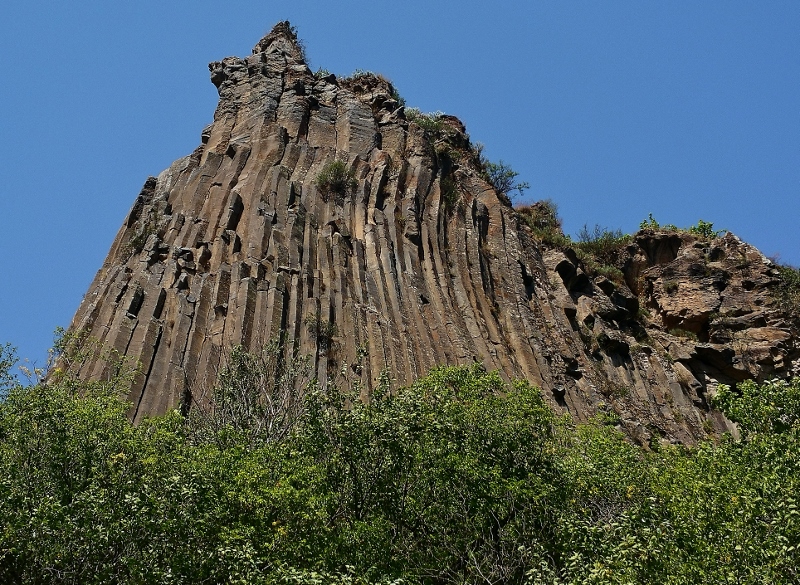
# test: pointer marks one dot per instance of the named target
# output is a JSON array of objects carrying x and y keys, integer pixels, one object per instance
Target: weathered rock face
[{"x": 420, "y": 264}]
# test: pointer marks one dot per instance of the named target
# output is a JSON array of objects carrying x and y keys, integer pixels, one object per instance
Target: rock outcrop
[{"x": 418, "y": 262}]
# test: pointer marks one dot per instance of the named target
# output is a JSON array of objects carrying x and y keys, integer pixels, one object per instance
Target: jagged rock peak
[
  {"x": 413, "y": 261},
  {"x": 282, "y": 37}
]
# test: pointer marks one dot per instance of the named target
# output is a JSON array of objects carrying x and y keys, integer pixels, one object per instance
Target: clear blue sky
[{"x": 614, "y": 110}]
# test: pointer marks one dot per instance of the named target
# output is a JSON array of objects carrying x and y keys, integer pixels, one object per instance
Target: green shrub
[
  {"x": 8, "y": 359},
  {"x": 504, "y": 179},
  {"x": 401, "y": 101},
  {"x": 500, "y": 176},
  {"x": 542, "y": 217},
  {"x": 259, "y": 397},
  {"x": 787, "y": 292},
  {"x": 321, "y": 330},
  {"x": 651, "y": 224},
  {"x": 337, "y": 179},
  {"x": 449, "y": 190},
  {"x": 431, "y": 123},
  {"x": 459, "y": 478},
  {"x": 772, "y": 407},
  {"x": 703, "y": 229}
]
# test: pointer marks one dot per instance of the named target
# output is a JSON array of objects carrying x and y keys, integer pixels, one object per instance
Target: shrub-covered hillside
[{"x": 459, "y": 478}]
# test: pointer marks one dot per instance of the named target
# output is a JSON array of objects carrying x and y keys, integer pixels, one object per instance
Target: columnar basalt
[{"x": 422, "y": 263}]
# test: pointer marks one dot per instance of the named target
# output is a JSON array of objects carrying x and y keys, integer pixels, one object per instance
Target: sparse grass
[
  {"x": 446, "y": 154},
  {"x": 600, "y": 249},
  {"x": 611, "y": 273},
  {"x": 678, "y": 332},
  {"x": 720, "y": 319},
  {"x": 369, "y": 77},
  {"x": 145, "y": 227},
  {"x": 602, "y": 243},
  {"x": 619, "y": 390},
  {"x": 542, "y": 217},
  {"x": 360, "y": 74}
]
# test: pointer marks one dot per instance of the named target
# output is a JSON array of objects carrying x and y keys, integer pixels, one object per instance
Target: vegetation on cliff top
[{"x": 460, "y": 478}]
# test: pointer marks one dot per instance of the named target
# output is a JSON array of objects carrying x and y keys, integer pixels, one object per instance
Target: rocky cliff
[{"x": 411, "y": 260}]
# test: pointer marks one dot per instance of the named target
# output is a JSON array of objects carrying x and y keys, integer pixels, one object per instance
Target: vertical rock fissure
[{"x": 156, "y": 346}]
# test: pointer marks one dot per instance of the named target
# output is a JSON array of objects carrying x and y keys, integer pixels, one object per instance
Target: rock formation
[{"x": 418, "y": 262}]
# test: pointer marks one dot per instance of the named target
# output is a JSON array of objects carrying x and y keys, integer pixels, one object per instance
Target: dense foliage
[
  {"x": 460, "y": 478},
  {"x": 787, "y": 293}
]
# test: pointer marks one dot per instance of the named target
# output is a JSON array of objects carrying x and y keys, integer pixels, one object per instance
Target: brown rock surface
[{"x": 421, "y": 264}]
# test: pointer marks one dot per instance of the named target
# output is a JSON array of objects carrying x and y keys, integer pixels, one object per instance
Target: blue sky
[{"x": 687, "y": 110}]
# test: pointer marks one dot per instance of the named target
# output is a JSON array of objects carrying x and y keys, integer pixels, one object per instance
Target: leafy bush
[
  {"x": 432, "y": 480},
  {"x": 501, "y": 176},
  {"x": 703, "y": 229},
  {"x": 787, "y": 293},
  {"x": 449, "y": 190},
  {"x": 460, "y": 478},
  {"x": 8, "y": 359},
  {"x": 337, "y": 179},
  {"x": 258, "y": 397},
  {"x": 432, "y": 122},
  {"x": 772, "y": 407}
]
